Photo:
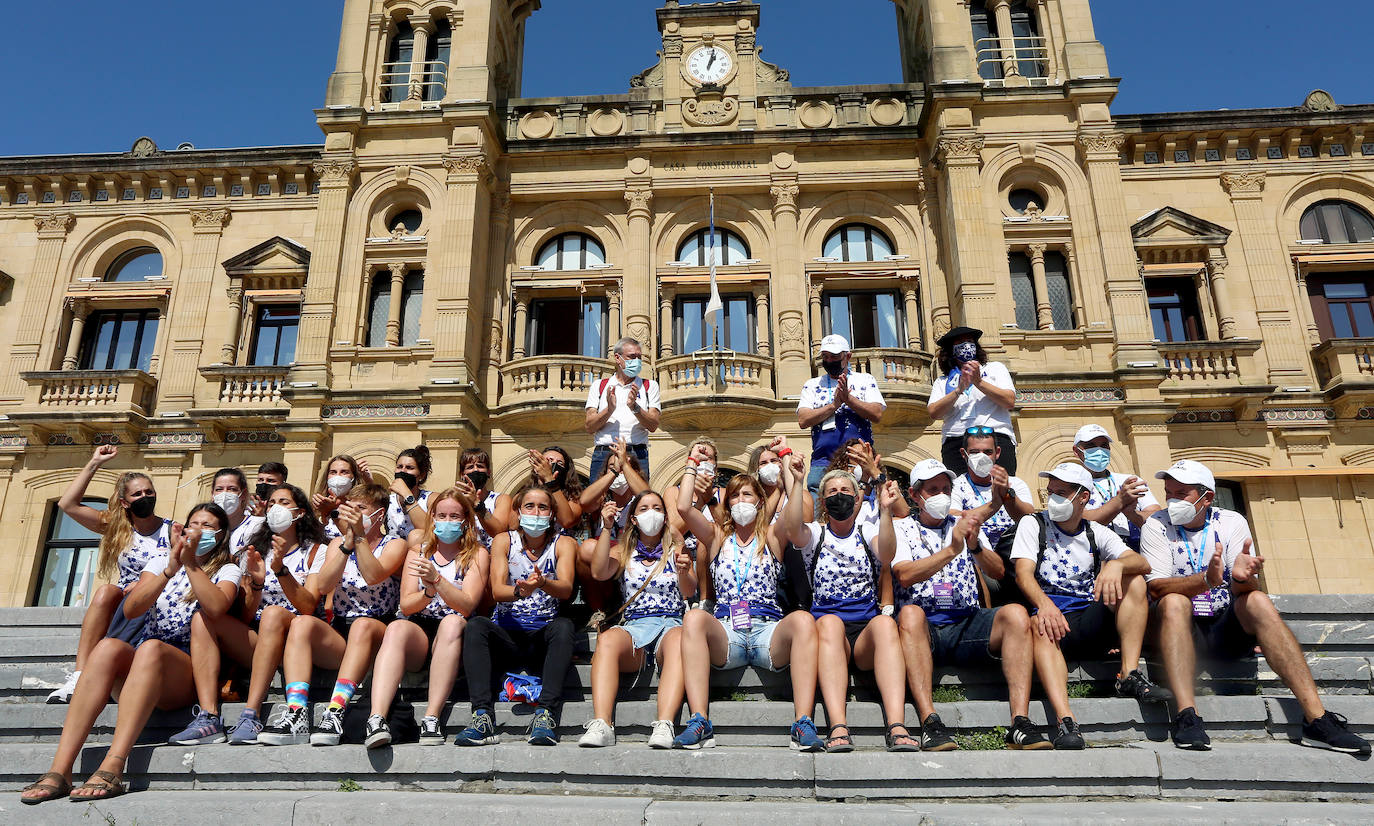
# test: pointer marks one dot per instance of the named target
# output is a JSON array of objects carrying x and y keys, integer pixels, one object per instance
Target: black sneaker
[
  {"x": 378, "y": 732},
  {"x": 1332, "y": 731},
  {"x": 1136, "y": 685},
  {"x": 431, "y": 732},
  {"x": 934, "y": 735},
  {"x": 288, "y": 727},
  {"x": 1188, "y": 731},
  {"x": 1068, "y": 737},
  {"x": 1024, "y": 736},
  {"x": 329, "y": 732}
]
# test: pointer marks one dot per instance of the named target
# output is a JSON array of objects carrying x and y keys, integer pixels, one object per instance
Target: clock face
[{"x": 709, "y": 64}]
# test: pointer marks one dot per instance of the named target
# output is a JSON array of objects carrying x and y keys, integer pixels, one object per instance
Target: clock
[{"x": 709, "y": 64}]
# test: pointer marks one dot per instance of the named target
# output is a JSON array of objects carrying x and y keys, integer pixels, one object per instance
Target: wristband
[
  {"x": 887, "y": 610},
  {"x": 693, "y": 460},
  {"x": 480, "y": 508},
  {"x": 257, "y": 587},
  {"x": 784, "y": 452}
]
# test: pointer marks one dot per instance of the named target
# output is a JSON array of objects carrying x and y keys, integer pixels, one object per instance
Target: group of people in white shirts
[{"x": 785, "y": 567}]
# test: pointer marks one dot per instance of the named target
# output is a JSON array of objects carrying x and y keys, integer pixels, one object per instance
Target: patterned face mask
[{"x": 965, "y": 351}]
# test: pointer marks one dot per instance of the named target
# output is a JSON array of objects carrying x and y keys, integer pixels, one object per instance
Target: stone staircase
[{"x": 1251, "y": 718}]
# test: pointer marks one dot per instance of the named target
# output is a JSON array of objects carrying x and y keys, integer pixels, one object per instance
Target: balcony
[
  {"x": 61, "y": 401},
  {"x": 543, "y": 394},
  {"x": 1345, "y": 366},
  {"x": 903, "y": 376},
  {"x": 1026, "y": 63},
  {"x": 716, "y": 389},
  {"x": 243, "y": 393},
  {"x": 1213, "y": 371}
]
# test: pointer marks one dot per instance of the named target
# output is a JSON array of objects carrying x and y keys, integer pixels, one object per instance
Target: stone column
[
  {"x": 666, "y": 342},
  {"x": 913, "y": 314},
  {"x": 975, "y": 291},
  {"x": 613, "y": 314},
  {"x": 41, "y": 290},
  {"x": 1042, "y": 23},
  {"x": 1221, "y": 296},
  {"x": 1076, "y": 280},
  {"x": 423, "y": 28},
  {"x": 192, "y": 306},
  {"x": 460, "y": 274},
  {"x": 793, "y": 355},
  {"x": 1309, "y": 321},
  {"x": 638, "y": 284},
  {"x": 1001, "y": 9},
  {"x": 497, "y": 292},
  {"x": 1268, "y": 275},
  {"x": 80, "y": 311},
  {"x": 322, "y": 282},
  {"x": 813, "y": 292},
  {"x": 761, "y": 322},
  {"x": 455, "y": 21},
  {"x": 1044, "y": 313},
  {"x": 521, "y": 324},
  {"x": 228, "y": 352},
  {"x": 378, "y": 36},
  {"x": 393, "y": 315},
  {"x": 933, "y": 281}
]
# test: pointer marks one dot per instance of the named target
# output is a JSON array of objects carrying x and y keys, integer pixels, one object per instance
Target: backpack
[
  {"x": 796, "y": 580},
  {"x": 601, "y": 386},
  {"x": 1044, "y": 541}
]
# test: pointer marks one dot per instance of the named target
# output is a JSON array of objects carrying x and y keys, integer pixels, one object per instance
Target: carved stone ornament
[
  {"x": 56, "y": 222},
  {"x": 143, "y": 147},
  {"x": 790, "y": 332},
  {"x": 1237, "y": 183},
  {"x": 214, "y": 218},
  {"x": 710, "y": 111},
  {"x": 639, "y": 200},
  {"x": 495, "y": 341},
  {"x": 471, "y": 164},
  {"x": 960, "y": 148},
  {"x": 770, "y": 72},
  {"x": 672, "y": 45},
  {"x": 650, "y": 78},
  {"x": 639, "y": 330},
  {"x": 784, "y": 195},
  {"x": 1319, "y": 100},
  {"x": 1102, "y": 143},
  {"x": 334, "y": 173}
]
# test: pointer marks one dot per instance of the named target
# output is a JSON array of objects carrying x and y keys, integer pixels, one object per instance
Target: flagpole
[{"x": 713, "y": 305}]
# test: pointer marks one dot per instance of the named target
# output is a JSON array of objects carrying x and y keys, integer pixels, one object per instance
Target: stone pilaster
[
  {"x": 639, "y": 280},
  {"x": 322, "y": 284},
  {"x": 459, "y": 280},
  {"x": 793, "y": 354},
  {"x": 974, "y": 288},
  {"x": 41, "y": 297},
  {"x": 187, "y": 335}
]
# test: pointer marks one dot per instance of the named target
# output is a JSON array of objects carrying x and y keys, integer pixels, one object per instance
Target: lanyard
[
  {"x": 1111, "y": 488},
  {"x": 977, "y": 497},
  {"x": 1195, "y": 561},
  {"x": 739, "y": 552},
  {"x": 921, "y": 533}
]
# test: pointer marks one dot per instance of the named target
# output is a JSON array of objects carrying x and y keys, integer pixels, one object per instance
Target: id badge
[
  {"x": 828, "y": 424},
  {"x": 944, "y": 596},
  {"x": 739, "y": 615},
  {"x": 1202, "y": 605}
]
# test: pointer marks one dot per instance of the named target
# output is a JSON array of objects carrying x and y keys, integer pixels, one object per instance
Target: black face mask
[
  {"x": 840, "y": 506},
  {"x": 834, "y": 368},
  {"x": 410, "y": 479},
  {"x": 264, "y": 490},
  {"x": 478, "y": 478},
  {"x": 143, "y": 508}
]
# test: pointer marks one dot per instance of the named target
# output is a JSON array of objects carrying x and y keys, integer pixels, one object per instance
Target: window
[
  {"x": 1342, "y": 305},
  {"x": 135, "y": 265},
  {"x": 865, "y": 319},
  {"x": 736, "y": 330},
  {"x": 395, "y": 85},
  {"x": 987, "y": 51},
  {"x": 436, "y": 60},
  {"x": 567, "y": 326},
  {"x": 1336, "y": 222},
  {"x": 729, "y": 249},
  {"x": 274, "y": 335},
  {"x": 1061, "y": 295},
  {"x": 1174, "y": 310},
  {"x": 1023, "y": 293},
  {"x": 1025, "y": 35},
  {"x": 571, "y": 251},
  {"x": 379, "y": 308},
  {"x": 1020, "y": 199},
  {"x": 119, "y": 340},
  {"x": 411, "y": 219},
  {"x": 857, "y": 242},
  {"x": 69, "y": 560},
  {"x": 1230, "y": 496}
]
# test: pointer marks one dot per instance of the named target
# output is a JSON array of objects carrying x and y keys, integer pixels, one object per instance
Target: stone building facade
[{"x": 452, "y": 263}]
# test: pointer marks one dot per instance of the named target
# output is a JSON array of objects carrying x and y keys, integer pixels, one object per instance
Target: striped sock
[
  {"x": 297, "y": 695},
  {"x": 343, "y": 692}
]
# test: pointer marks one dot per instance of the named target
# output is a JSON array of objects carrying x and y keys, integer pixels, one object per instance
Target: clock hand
[{"x": 712, "y": 60}]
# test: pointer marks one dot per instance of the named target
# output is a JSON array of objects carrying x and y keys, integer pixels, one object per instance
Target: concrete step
[{"x": 1233, "y": 771}]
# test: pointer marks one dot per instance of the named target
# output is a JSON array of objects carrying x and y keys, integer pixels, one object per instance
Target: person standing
[
  {"x": 841, "y": 405},
  {"x": 971, "y": 392},
  {"x": 623, "y": 406}
]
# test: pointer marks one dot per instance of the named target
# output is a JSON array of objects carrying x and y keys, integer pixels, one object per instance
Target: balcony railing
[
  {"x": 1195, "y": 363},
  {"x": 397, "y": 83},
  {"x": 1344, "y": 361},
  {"x": 248, "y": 387},
  {"x": 1029, "y": 58},
  {"x": 895, "y": 370},
  {"x": 76, "y": 391},
  {"x": 556, "y": 378},
  {"x": 716, "y": 372}
]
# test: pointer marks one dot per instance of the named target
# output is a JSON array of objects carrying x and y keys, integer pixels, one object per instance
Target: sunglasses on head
[{"x": 980, "y": 430}]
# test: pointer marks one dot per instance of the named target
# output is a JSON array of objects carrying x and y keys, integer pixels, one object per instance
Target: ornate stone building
[{"x": 452, "y": 263}]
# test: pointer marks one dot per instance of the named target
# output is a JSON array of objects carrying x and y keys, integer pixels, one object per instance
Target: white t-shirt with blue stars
[
  {"x": 397, "y": 520},
  {"x": 535, "y": 610},
  {"x": 952, "y": 593},
  {"x": 299, "y": 565},
  {"x": 169, "y": 619},
  {"x": 661, "y": 598},
  {"x": 437, "y": 607},
  {"x": 844, "y": 582},
  {"x": 482, "y": 535},
  {"x": 1107, "y": 487},
  {"x": 133, "y": 560},
  {"x": 1175, "y": 552},
  {"x": 1066, "y": 572},
  {"x": 758, "y": 573},
  {"x": 968, "y": 495},
  {"x": 355, "y": 598}
]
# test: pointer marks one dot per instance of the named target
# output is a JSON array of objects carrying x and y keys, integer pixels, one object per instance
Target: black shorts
[
  {"x": 965, "y": 642},
  {"x": 1222, "y": 636},
  {"x": 124, "y": 628},
  {"x": 429, "y": 625},
  {"x": 1092, "y": 632},
  {"x": 343, "y": 624}
]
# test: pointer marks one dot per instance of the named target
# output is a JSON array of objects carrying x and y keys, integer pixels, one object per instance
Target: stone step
[{"x": 1232, "y": 771}]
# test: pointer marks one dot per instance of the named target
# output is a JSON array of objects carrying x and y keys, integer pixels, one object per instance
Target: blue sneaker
[
  {"x": 804, "y": 736},
  {"x": 480, "y": 732},
  {"x": 543, "y": 729},
  {"x": 245, "y": 731},
  {"x": 697, "y": 735},
  {"x": 205, "y": 728}
]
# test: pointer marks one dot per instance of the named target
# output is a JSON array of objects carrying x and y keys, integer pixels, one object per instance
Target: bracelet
[
  {"x": 256, "y": 587},
  {"x": 480, "y": 508},
  {"x": 784, "y": 452},
  {"x": 693, "y": 460}
]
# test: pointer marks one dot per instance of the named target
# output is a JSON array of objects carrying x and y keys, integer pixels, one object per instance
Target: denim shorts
[
  {"x": 750, "y": 647},
  {"x": 645, "y": 632},
  {"x": 964, "y": 642}
]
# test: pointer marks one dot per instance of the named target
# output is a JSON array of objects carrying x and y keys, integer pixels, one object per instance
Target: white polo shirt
[
  {"x": 623, "y": 424},
  {"x": 973, "y": 408}
]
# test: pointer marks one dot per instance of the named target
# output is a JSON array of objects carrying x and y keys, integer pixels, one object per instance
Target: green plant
[
  {"x": 1078, "y": 690},
  {"x": 348, "y": 784},
  {"x": 982, "y": 740},
  {"x": 947, "y": 694}
]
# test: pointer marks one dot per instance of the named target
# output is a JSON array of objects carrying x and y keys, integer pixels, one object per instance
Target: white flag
[{"x": 714, "y": 306}]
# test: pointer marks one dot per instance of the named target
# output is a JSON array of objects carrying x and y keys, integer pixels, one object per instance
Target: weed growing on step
[
  {"x": 982, "y": 740},
  {"x": 1079, "y": 690},
  {"x": 947, "y": 694},
  {"x": 348, "y": 784}
]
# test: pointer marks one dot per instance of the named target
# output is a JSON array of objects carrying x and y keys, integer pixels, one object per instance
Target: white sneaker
[
  {"x": 661, "y": 736},
  {"x": 64, "y": 694},
  {"x": 599, "y": 735}
]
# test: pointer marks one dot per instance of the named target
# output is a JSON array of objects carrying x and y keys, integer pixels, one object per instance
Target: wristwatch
[
  {"x": 480, "y": 508},
  {"x": 887, "y": 610},
  {"x": 409, "y": 501}
]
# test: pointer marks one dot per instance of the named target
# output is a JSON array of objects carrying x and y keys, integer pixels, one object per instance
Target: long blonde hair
[
  {"x": 116, "y": 531},
  {"x": 468, "y": 546},
  {"x": 629, "y": 538}
]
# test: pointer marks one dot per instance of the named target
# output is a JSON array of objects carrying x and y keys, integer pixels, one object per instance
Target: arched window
[
  {"x": 728, "y": 247},
  {"x": 379, "y": 309},
  {"x": 411, "y": 219},
  {"x": 1020, "y": 199},
  {"x": 135, "y": 265},
  {"x": 395, "y": 80},
  {"x": 571, "y": 251},
  {"x": 857, "y": 242},
  {"x": 1336, "y": 222}
]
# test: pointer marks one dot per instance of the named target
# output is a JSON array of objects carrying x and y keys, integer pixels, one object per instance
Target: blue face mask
[
  {"x": 1097, "y": 458},
  {"x": 632, "y": 367},
  {"x": 965, "y": 351},
  {"x": 534, "y": 526},
  {"x": 448, "y": 532},
  {"x": 207, "y": 542}
]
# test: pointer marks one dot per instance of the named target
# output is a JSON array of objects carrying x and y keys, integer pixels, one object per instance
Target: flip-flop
[
  {"x": 61, "y": 788},
  {"x": 838, "y": 743},
  {"x": 107, "y": 783},
  {"x": 893, "y": 745}
]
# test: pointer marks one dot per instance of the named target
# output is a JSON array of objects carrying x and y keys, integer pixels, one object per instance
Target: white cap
[
  {"x": 1071, "y": 472},
  {"x": 1088, "y": 432},
  {"x": 929, "y": 469},
  {"x": 835, "y": 344},
  {"x": 1188, "y": 472}
]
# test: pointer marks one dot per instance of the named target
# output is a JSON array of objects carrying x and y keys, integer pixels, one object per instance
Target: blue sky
[{"x": 99, "y": 74}]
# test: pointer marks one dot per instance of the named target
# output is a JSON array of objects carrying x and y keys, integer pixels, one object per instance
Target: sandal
[
  {"x": 893, "y": 740},
  {"x": 52, "y": 791},
  {"x": 106, "y": 784},
  {"x": 839, "y": 743}
]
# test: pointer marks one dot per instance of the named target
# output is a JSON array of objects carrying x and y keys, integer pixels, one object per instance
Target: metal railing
[
  {"x": 1029, "y": 57},
  {"x": 398, "y": 83}
]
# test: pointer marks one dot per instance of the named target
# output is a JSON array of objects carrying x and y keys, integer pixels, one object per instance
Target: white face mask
[
  {"x": 367, "y": 519},
  {"x": 1181, "y": 511},
  {"x": 856, "y": 471},
  {"x": 937, "y": 506},
  {"x": 339, "y": 485},
  {"x": 980, "y": 464},
  {"x": 1060, "y": 508},
  {"x": 228, "y": 500},
  {"x": 744, "y": 513},
  {"x": 650, "y": 522},
  {"x": 770, "y": 473},
  {"x": 706, "y": 469},
  {"x": 279, "y": 518},
  {"x": 620, "y": 484}
]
